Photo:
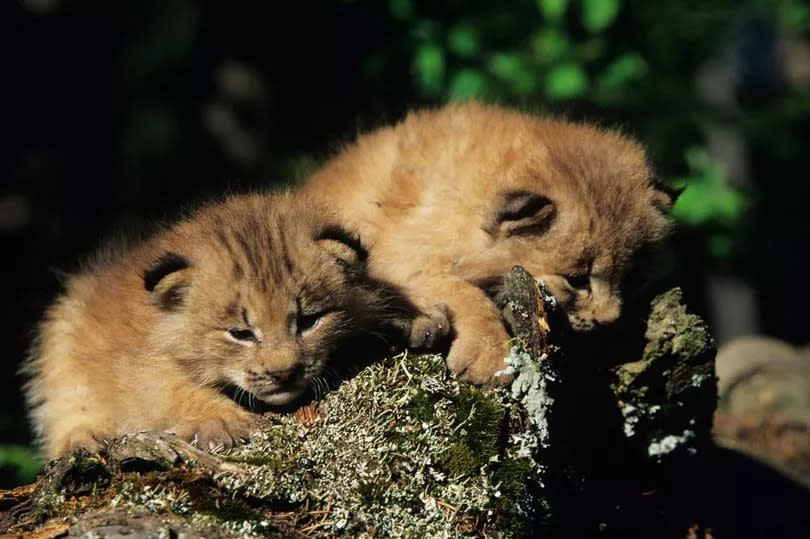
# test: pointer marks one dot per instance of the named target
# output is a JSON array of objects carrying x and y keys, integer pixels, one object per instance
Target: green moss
[
  {"x": 459, "y": 460},
  {"x": 422, "y": 404},
  {"x": 480, "y": 421},
  {"x": 512, "y": 478}
]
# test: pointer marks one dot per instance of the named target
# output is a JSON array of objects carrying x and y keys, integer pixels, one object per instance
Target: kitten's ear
[
  {"x": 167, "y": 279},
  {"x": 522, "y": 212},
  {"x": 664, "y": 195},
  {"x": 344, "y": 245}
]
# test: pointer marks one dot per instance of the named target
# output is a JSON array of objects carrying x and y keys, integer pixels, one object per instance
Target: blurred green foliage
[
  {"x": 20, "y": 462},
  {"x": 565, "y": 54},
  {"x": 708, "y": 196},
  {"x": 709, "y": 200}
]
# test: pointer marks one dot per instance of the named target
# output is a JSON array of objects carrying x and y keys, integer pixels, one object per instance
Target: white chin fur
[
  {"x": 281, "y": 397},
  {"x": 581, "y": 325}
]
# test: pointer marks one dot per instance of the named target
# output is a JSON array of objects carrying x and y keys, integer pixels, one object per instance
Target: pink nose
[{"x": 283, "y": 375}]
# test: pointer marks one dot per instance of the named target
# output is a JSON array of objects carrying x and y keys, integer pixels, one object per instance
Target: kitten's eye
[
  {"x": 244, "y": 335},
  {"x": 308, "y": 322},
  {"x": 580, "y": 282}
]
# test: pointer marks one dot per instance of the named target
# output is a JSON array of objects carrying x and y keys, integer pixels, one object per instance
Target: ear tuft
[
  {"x": 167, "y": 280},
  {"x": 342, "y": 244},
  {"x": 163, "y": 266},
  {"x": 664, "y": 195},
  {"x": 522, "y": 212}
]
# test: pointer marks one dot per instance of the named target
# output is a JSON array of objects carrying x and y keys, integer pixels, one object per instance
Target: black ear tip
[
  {"x": 348, "y": 238},
  {"x": 673, "y": 192},
  {"x": 519, "y": 205},
  {"x": 163, "y": 266}
]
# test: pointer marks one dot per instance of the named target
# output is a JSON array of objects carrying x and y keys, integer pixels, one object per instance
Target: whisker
[
  {"x": 314, "y": 388},
  {"x": 318, "y": 388},
  {"x": 331, "y": 371}
]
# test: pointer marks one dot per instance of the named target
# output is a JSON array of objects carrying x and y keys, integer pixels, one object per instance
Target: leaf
[
  {"x": 695, "y": 205},
  {"x": 467, "y": 84},
  {"x": 599, "y": 14},
  {"x": 463, "y": 40},
  {"x": 428, "y": 68},
  {"x": 506, "y": 66},
  {"x": 566, "y": 81},
  {"x": 618, "y": 73},
  {"x": 515, "y": 70},
  {"x": 552, "y": 10},
  {"x": 707, "y": 197},
  {"x": 550, "y": 45}
]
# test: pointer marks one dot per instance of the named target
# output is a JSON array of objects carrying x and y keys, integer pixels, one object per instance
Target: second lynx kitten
[{"x": 449, "y": 200}]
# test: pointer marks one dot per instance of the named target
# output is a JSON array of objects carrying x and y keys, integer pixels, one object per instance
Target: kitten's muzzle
[
  {"x": 276, "y": 387},
  {"x": 262, "y": 376}
]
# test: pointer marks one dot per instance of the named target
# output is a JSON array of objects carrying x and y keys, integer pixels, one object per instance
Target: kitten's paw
[
  {"x": 94, "y": 440},
  {"x": 429, "y": 327},
  {"x": 226, "y": 428},
  {"x": 478, "y": 356}
]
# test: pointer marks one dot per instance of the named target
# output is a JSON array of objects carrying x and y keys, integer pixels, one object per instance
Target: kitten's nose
[{"x": 282, "y": 375}]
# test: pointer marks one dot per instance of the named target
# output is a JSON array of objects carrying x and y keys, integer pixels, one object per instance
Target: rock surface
[{"x": 764, "y": 404}]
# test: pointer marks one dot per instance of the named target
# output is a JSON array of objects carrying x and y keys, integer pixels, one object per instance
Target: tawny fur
[
  {"x": 113, "y": 356},
  {"x": 449, "y": 200}
]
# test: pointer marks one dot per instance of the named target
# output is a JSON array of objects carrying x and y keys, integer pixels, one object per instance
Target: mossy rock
[{"x": 400, "y": 449}]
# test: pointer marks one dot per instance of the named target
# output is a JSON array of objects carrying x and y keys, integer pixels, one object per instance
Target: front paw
[
  {"x": 429, "y": 327},
  {"x": 89, "y": 438},
  {"x": 223, "y": 428},
  {"x": 478, "y": 352}
]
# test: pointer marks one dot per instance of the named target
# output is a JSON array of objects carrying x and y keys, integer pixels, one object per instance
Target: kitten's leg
[
  {"x": 196, "y": 414},
  {"x": 480, "y": 345},
  {"x": 72, "y": 411},
  {"x": 205, "y": 417}
]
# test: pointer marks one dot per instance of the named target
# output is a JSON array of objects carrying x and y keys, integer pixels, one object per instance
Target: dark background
[{"x": 119, "y": 114}]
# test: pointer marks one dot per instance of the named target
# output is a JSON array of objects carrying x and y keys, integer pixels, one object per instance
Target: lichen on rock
[
  {"x": 402, "y": 448},
  {"x": 668, "y": 396}
]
